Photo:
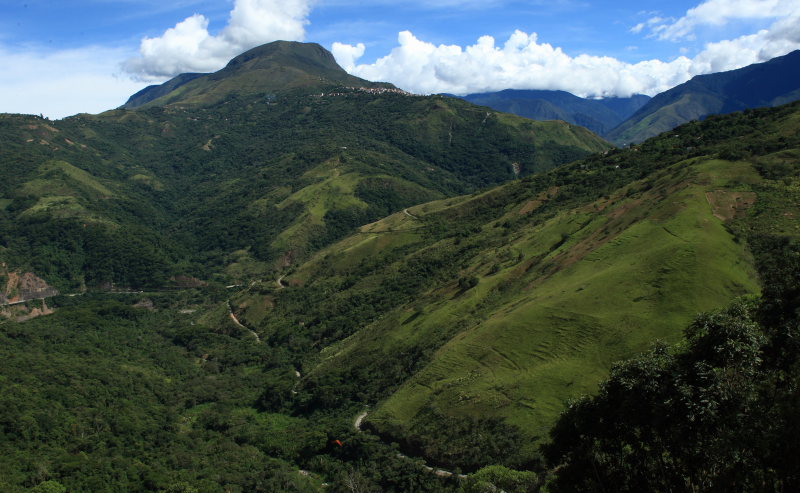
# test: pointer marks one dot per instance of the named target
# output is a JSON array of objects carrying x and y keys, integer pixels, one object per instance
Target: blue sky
[{"x": 66, "y": 57}]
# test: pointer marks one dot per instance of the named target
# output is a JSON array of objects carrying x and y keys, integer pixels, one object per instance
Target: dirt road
[{"x": 240, "y": 324}]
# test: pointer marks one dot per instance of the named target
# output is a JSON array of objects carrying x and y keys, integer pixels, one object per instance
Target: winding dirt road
[
  {"x": 439, "y": 472},
  {"x": 359, "y": 419},
  {"x": 405, "y": 211},
  {"x": 240, "y": 324}
]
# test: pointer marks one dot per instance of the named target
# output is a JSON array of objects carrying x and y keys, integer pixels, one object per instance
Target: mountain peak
[
  {"x": 270, "y": 68},
  {"x": 285, "y": 52}
]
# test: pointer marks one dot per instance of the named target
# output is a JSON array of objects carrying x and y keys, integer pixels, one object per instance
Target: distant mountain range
[
  {"x": 598, "y": 115},
  {"x": 635, "y": 119},
  {"x": 284, "y": 66},
  {"x": 771, "y": 83}
]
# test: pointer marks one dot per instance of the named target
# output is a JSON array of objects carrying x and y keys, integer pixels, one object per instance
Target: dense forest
[{"x": 103, "y": 396}]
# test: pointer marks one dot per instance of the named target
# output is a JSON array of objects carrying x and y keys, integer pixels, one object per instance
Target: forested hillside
[
  {"x": 251, "y": 184},
  {"x": 716, "y": 413}
]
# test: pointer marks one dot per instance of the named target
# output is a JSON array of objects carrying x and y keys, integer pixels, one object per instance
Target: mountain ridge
[
  {"x": 770, "y": 83},
  {"x": 598, "y": 115}
]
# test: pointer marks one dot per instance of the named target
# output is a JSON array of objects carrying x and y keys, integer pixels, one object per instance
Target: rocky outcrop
[
  {"x": 22, "y": 312},
  {"x": 187, "y": 282},
  {"x": 25, "y": 286}
]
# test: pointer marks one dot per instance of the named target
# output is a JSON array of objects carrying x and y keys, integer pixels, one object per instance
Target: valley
[{"x": 280, "y": 277}]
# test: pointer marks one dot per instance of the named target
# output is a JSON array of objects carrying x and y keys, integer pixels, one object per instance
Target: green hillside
[
  {"x": 245, "y": 186},
  {"x": 686, "y": 107},
  {"x": 716, "y": 412},
  {"x": 622, "y": 278},
  {"x": 490, "y": 311}
]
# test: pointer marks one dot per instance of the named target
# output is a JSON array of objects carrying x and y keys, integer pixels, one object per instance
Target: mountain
[
  {"x": 771, "y": 83},
  {"x": 598, "y": 115},
  {"x": 230, "y": 175},
  {"x": 274, "y": 67}
]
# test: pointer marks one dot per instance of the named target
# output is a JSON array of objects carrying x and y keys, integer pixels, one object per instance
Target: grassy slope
[
  {"x": 62, "y": 190},
  {"x": 625, "y": 279},
  {"x": 526, "y": 341},
  {"x": 562, "y": 292}
]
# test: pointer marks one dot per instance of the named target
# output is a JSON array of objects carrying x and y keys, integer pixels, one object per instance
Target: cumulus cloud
[
  {"x": 63, "y": 83},
  {"x": 719, "y": 13},
  {"x": 346, "y": 55},
  {"x": 523, "y": 62},
  {"x": 190, "y": 47}
]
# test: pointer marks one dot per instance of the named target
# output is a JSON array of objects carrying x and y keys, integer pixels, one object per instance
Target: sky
[{"x": 72, "y": 56}]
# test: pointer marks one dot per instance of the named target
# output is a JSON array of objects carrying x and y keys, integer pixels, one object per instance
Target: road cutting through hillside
[
  {"x": 442, "y": 473},
  {"x": 240, "y": 324},
  {"x": 405, "y": 211},
  {"x": 72, "y": 295},
  {"x": 359, "y": 419}
]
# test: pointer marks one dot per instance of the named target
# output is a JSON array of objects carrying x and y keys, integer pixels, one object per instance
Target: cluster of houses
[{"x": 344, "y": 91}]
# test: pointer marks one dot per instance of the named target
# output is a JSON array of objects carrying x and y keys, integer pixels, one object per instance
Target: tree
[
  {"x": 50, "y": 486},
  {"x": 703, "y": 416}
]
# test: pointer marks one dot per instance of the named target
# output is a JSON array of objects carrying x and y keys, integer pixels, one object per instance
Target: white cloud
[
  {"x": 720, "y": 13},
  {"x": 653, "y": 21},
  {"x": 63, "y": 83},
  {"x": 441, "y": 4},
  {"x": 525, "y": 63},
  {"x": 66, "y": 82},
  {"x": 346, "y": 55},
  {"x": 781, "y": 38},
  {"x": 190, "y": 47}
]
